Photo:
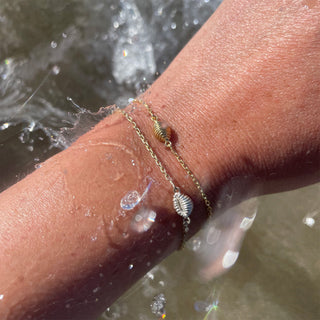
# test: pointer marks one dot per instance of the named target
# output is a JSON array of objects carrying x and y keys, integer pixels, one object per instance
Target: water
[
  {"x": 60, "y": 61},
  {"x": 158, "y": 305}
]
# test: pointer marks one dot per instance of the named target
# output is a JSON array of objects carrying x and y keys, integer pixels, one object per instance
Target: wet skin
[{"x": 243, "y": 101}]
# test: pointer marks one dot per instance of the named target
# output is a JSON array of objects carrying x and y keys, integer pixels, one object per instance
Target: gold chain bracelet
[{"x": 182, "y": 203}]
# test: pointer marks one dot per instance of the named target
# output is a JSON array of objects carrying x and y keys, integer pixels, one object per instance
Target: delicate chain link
[{"x": 168, "y": 144}]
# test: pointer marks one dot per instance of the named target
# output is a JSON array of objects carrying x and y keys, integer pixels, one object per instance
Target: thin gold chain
[
  {"x": 176, "y": 190},
  {"x": 169, "y": 145},
  {"x": 148, "y": 147}
]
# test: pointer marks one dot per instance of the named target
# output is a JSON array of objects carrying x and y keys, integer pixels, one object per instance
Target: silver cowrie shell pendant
[{"x": 182, "y": 204}]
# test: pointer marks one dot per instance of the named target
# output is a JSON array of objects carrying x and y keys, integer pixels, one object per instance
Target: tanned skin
[{"x": 243, "y": 100}]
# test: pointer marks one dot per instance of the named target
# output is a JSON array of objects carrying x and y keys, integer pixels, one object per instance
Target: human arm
[{"x": 243, "y": 100}]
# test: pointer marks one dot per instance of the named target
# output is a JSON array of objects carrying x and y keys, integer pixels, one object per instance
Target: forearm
[
  {"x": 68, "y": 244},
  {"x": 70, "y": 249}
]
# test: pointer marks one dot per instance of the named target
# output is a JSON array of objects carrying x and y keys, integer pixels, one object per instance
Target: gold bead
[{"x": 162, "y": 131}]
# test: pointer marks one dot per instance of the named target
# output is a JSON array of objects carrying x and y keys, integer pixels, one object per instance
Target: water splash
[
  {"x": 53, "y": 71},
  {"x": 133, "y": 55},
  {"x": 84, "y": 121},
  {"x": 78, "y": 108},
  {"x": 309, "y": 220},
  {"x": 53, "y": 44},
  {"x": 133, "y": 198},
  {"x": 158, "y": 305}
]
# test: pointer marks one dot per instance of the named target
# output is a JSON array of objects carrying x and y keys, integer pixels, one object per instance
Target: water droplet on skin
[
  {"x": 133, "y": 198},
  {"x": 94, "y": 238},
  {"x": 108, "y": 156},
  {"x": 229, "y": 259},
  {"x": 122, "y": 213},
  {"x": 125, "y": 235},
  {"x": 1, "y": 296},
  {"x": 38, "y": 166},
  {"x": 88, "y": 213},
  {"x": 95, "y": 290},
  {"x": 64, "y": 35},
  {"x": 173, "y": 25},
  {"x": 130, "y": 200},
  {"x": 130, "y": 266},
  {"x": 195, "y": 22}
]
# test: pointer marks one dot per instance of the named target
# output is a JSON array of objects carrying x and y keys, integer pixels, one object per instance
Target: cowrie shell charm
[
  {"x": 162, "y": 131},
  {"x": 182, "y": 204}
]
